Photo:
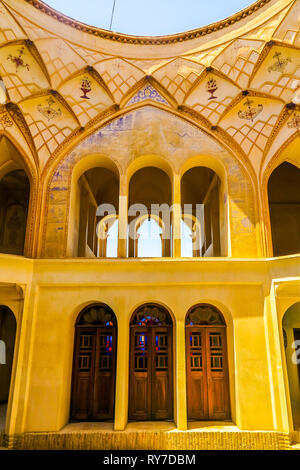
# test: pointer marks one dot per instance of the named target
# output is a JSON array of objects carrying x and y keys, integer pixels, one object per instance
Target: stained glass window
[
  {"x": 97, "y": 315},
  {"x": 151, "y": 315},
  {"x": 204, "y": 315}
]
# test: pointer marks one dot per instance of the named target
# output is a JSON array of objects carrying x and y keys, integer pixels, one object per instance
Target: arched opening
[
  {"x": 8, "y": 327},
  {"x": 151, "y": 364},
  {"x": 150, "y": 240},
  {"x": 207, "y": 364},
  {"x": 200, "y": 204},
  {"x": 98, "y": 213},
  {"x": 149, "y": 215},
  {"x": 291, "y": 334},
  {"x": 14, "y": 202},
  {"x": 94, "y": 364},
  {"x": 284, "y": 207}
]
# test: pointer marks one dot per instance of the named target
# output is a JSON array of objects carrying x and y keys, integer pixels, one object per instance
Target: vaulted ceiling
[{"x": 60, "y": 78}]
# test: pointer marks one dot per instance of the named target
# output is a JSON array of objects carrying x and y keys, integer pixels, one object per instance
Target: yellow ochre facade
[{"x": 88, "y": 116}]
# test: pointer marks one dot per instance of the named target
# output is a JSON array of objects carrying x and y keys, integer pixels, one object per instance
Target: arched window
[
  {"x": 190, "y": 237},
  {"x": 98, "y": 206},
  {"x": 206, "y": 364},
  {"x": 149, "y": 238},
  {"x": 107, "y": 235},
  {"x": 151, "y": 359},
  {"x": 94, "y": 364},
  {"x": 284, "y": 207},
  {"x": 149, "y": 215},
  {"x": 200, "y": 203}
]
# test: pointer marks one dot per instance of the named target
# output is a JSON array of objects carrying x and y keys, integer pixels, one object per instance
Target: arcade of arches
[{"x": 150, "y": 229}]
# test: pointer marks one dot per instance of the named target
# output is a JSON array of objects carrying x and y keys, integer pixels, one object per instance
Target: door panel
[
  {"x": 151, "y": 386},
  {"x": 196, "y": 374},
  {"x": 83, "y": 370},
  {"x": 139, "y": 395},
  {"x": 207, "y": 374},
  {"x": 162, "y": 393},
  {"x": 104, "y": 387},
  {"x": 218, "y": 393},
  {"x": 93, "y": 386}
]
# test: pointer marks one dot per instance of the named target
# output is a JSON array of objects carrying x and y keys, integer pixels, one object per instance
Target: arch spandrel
[{"x": 152, "y": 131}]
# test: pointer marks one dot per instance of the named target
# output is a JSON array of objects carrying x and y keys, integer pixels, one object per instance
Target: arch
[
  {"x": 202, "y": 195},
  {"x": 149, "y": 196},
  {"x": 288, "y": 152},
  {"x": 151, "y": 363},
  {"x": 145, "y": 161},
  {"x": 103, "y": 232},
  {"x": 12, "y": 159},
  {"x": 193, "y": 247},
  {"x": 94, "y": 364},
  {"x": 284, "y": 209},
  {"x": 204, "y": 314},
  {"x": 84, "y": 202},
  {"x": 8, "y": 328},
  {"x": 97, "y": 314},
  {"x": 14, "y": 205},
  {"x": 142, "y": 131},
  {"x": 138, "y": 224},
  {"x": 208, "y": 396},
  {"x": 291, "y": 337},
  {"x": 151, "y": 314}
]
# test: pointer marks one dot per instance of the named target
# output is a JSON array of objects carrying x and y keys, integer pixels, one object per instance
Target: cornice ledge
[{"x": 149, "y": 40}]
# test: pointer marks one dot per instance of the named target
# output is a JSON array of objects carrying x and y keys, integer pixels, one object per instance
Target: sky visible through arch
[{"x": 149, "y": 18}]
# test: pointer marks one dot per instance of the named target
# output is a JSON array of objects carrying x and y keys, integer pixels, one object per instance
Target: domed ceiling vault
[{"x": 239, "y": 77}]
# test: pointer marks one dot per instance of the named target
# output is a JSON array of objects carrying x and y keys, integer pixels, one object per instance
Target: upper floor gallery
[{"x": 182, "y": 146}]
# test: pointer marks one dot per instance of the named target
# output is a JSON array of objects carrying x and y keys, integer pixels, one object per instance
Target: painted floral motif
[
  {"x": 5, "y": 120},
  {"x": 295, "y": 122},
  {"x": 147, "y": 93},
  {"x": 280, "y": 63},
  {"x": 47, "y": 111},
  {"x": 18, "y": 60},
  {"x": 211, "y": 88},
  {"x": 251, "y": 112},
  {"x": 86, "y": 87}
]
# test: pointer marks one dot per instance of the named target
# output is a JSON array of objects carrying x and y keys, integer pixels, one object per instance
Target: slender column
[
  {"x": 181, "y": 408},
  {"x": 84, "y": 206},
  {"x": 122, "y": 373},
  {"x": 215, "y": 224},
  {"x": 123, "y": 217},
  {"x": 176, "y": 216}
]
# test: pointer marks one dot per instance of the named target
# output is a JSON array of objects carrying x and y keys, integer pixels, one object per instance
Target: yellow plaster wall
[{"x": 58, "y": 290}]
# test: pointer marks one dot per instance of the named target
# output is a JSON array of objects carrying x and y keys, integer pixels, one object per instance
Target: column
[
  {"x": 122, "y": 375},
  {"x": 176, "y": 232},
  {"x": 123, "y": 217},
  {"x": 181, "y": 408}
]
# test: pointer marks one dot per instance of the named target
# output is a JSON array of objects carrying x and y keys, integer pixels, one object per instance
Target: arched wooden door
[
  {"x": 207, "y": 367},
  {"x": 151, "y": 368},
  {"x": 94, "y": 364}
]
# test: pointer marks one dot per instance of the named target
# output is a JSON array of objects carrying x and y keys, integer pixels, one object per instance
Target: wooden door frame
[
  {"x": 206, "y": 328},
  {"x": 150, "y": 329},
  {"x": 95, "y": 329}
]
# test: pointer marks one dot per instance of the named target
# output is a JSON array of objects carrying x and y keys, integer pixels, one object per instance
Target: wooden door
[
  {"x": 93, "y": 388},
  {"x": 207, "y": 373},
  {"x": 151, "y": 382}
]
